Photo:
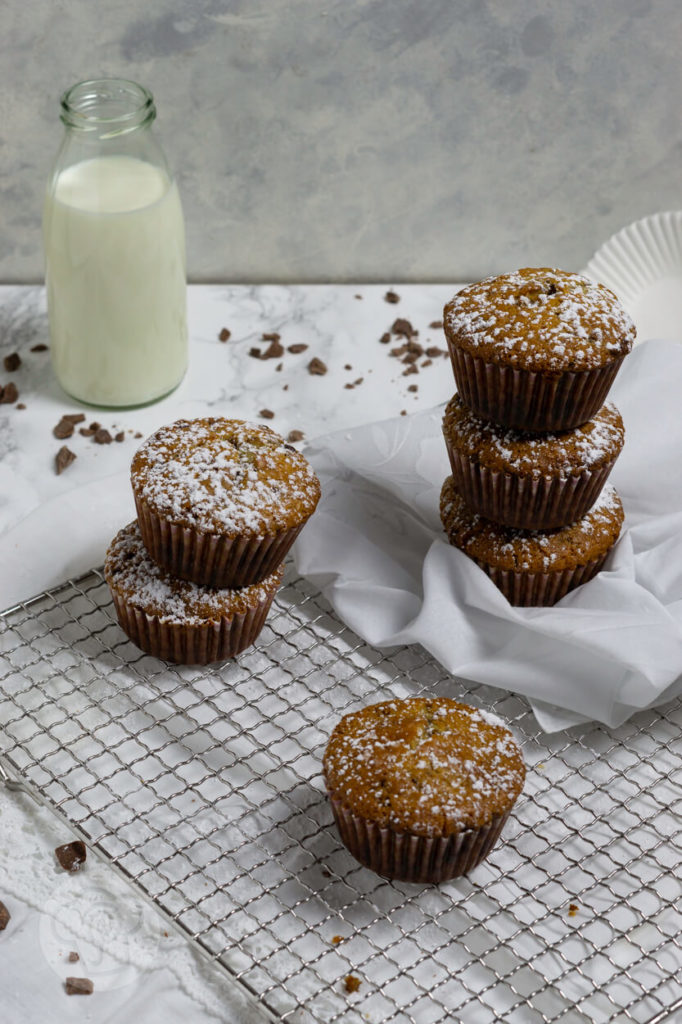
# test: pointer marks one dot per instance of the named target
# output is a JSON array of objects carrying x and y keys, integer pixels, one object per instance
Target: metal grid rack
[{"x": 203, "y": 787}]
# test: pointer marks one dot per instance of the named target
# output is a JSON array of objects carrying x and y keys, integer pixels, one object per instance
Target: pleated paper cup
[
  {"x": 529, "y": 400},
  {"x": 193, "y": 644},
  {"x": 523, "y": 501},
  {"x": 541, "y": 589},
  {"x": 209, "y": 559},
  {"x": 407, "y": 857}
]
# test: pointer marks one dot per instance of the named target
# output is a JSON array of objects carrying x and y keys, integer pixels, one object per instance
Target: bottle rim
[{"x": 116, "y": 104}]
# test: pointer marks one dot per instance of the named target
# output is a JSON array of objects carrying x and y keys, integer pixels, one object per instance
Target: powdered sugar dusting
[
  {"x": 430, "y": 767},
  {"x": 540, "y": 318},
  {"x": 131, "y": 572},
  {"x": 559, "y": 454},
  {"x": 225, "y": 476}
]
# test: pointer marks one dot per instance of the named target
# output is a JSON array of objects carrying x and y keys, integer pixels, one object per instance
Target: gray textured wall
[{"x": 400, "y": 140}]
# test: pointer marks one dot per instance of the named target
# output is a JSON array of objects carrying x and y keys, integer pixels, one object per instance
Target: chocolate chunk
[
  {"x": 391, "y": 297},
  {"x": 12, "y": 362},
  {"x": 86, "y": 432},
  {"x": 94, "y": 426},
  {"x": 102, "y": 436},
  {"x": 352, "y": 983},
  {"x": 71, "y": 856},
  {"x": 39, "y": 348},
  {"x": 78, "y": 987},
  {"x": 273, "y": 336},
  {"x": 427, "y": 362},
  {"x": 316, "y": 367},
  {"x": 121, "y": 436},
  {"x": 413, "y": 368},
  {"x": 4, "y": 916},
  {"x": 385, "y": 338},
  {"x": 349, "y": 387},
  {"x": 73, "y": 957},
  {"x": 74, "y": 417},
  {"x": 63, "y": 459},
  {"x": 436, "y": 324},
  {"x": 413, "y": 387},
  {"x": 433, "y": 351},
  {"x": 273, "y": 351},
  {"x": 224, "y": 334},
  {"x": 63, "y": 429},
  {"x": 267, "y": 414},
  {"x": 8, "y": 394},
  {"x": 298, "y": 347},
  {"x": 403, "y": 328},
  {"x": 295, "y": 435},
  {"x": 254, "y": 352}
]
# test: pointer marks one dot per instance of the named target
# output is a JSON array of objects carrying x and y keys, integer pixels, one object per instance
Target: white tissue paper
[{"x": 376, "y": 549}]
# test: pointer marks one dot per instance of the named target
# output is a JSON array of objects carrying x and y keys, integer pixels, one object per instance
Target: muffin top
[
  {"x": 225, "y": 477},
  {"x": 504, "y": 547},
  {"x": 429, "y": 766},
  {"x": 562, "y": 454},
  {"x": 539, "y": 319},
  {"x": 130, "y": 572}
]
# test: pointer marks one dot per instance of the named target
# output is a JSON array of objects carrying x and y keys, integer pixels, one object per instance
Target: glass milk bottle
[{"x": 114, "y": 251}]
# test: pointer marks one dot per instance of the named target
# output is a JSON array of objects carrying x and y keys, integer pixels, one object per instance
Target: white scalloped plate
[{"x": 642, "y": 264}]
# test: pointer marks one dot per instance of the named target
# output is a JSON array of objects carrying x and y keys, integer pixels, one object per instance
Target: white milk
[{"x": 115, "y": 276}]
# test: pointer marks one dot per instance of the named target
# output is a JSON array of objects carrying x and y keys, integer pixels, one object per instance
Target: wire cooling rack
[{"x": 203, "y": 787}]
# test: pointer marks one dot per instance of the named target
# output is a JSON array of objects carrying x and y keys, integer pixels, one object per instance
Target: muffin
[
  {"x": 530, "y": 481},
  {"x": 421, "y": 788},
  {"x": 219, "y": 501},
  {"x": 532, "y": 567},
  {"x": 538, "y": 349},
  {"x": 179, "y": 621}
]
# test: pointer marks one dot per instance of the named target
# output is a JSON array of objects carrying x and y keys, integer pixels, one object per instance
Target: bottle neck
[{"x": 107, "y": 108}]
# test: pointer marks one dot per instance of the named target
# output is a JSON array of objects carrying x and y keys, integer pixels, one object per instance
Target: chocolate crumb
[
  {"x": 385, "y": 338},
  {"x": 295, "y": 435},
  {"x": 274, "y": 350},
  {"x": 316, "y": 367},
  {"x": 121, "y": 436},
  {"x": 326, "y": 874},
  {"x": 71, "y": 856},
  {"x": 63, "y": 459},
  {"x": 273, "y": 336},
  {"x": 349, "y": 387},
  {"x": 4, "y": 916},
  {"x": 337, "y": 939},
  {"x": 8, "y": 394},
  {"x": 224, "y": 335},
  {"x": 403, "y": 412},
  {"x": 572, "y": 909},
  {"x": 403, "y": 328},
  {"x": 427, "y": 362},
  {"x": 352, "y": 983},
  {"x": 73, "y": 957},
  {"x": 12, "y": 362},
  {"x": 357, "y": 296},
  {"x": 267, "y": 414},
  {"x": 413, "y": 368},
  {"x": 436, "y": 324},
  {"x": 391, "y": 297},
  {"x": 138, "y": 434},
  {"x": 102, "y": 436},
  {"x": 433, "y": 351},
  {"x": 348, "y": 367},
  {"x": 39, "y": 348},
  {"x": 86, "y": 432},
  {"x": 21, "y": 405},
  {"x": 254, "y": 352},
  {"x": 298, "y": 347},
  {"x": 358, "y": 381},
  {"x": 63, "y": 429},
  {"x": 74, "y": 417},
  {"x": 278, "y": 368},
  {"x": 413, "y": 387},
  {"x": 78, "y": 987},
  {"x": 95, "y": 426},
  {"x": 285, "y": 387}
]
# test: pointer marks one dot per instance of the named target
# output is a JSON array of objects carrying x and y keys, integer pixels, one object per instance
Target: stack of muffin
[
  {"x": 219, "y": 503},
  {"x": 530, "y": 441}
]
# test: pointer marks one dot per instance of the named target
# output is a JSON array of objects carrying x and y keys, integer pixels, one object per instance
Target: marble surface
[
  {"x": 367, "y": 140},
  {"x": 144, "y": 971}
]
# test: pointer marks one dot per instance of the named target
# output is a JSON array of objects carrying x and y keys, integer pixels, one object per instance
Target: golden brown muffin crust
[
  {"x": 562, "y": 454},
  {"x": 429, "y": 766},
  {"x": 226, "y": 477},
  {"x": 532, "y": 550},
  {"x": 540, "y": 319}
]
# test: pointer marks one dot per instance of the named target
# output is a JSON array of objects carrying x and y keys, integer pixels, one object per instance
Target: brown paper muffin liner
[
  {"x": 535, "y": 589},
  {"x": 526, "y": 502},
  {"x": 191, "y": 644},
  {"x": 529, "y": 400},
  {"x": 209, "y": 559},
  {"x": 407, "y": 857}
]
